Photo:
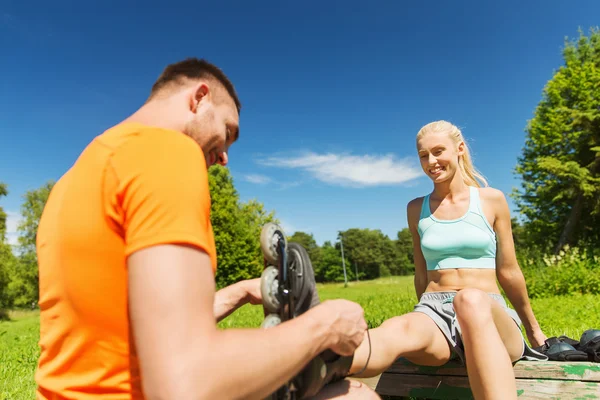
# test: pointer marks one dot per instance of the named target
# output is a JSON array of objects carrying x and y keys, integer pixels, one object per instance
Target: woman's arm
[
  {"x": 413, "y": 210},
  {"x": 508, "y": 272}
]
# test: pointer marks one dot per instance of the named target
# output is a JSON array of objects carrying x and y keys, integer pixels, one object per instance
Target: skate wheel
[
  {"x": 270, "y": 321},
  {"x": 303, "y": 278},
  {"x": 268, "y": 242},
  {"x": 268, "y": 289}
]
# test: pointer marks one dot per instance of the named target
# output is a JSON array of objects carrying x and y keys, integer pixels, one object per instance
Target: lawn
[{"x": 382, "y": 298}]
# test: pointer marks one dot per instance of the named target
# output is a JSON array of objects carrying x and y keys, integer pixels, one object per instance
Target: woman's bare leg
[
  {"x": 491, "y": 340},
  {"x": 414, "y": 336}
]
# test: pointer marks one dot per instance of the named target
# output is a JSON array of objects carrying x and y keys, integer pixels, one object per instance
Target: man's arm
[
  {"x": 181, "y": 352},
  {"x": 509, "y": 273},
  {"x": 232, "y": 297},
  {"x": 161, "y": 205},
  {"x": 413, "y": 211}
]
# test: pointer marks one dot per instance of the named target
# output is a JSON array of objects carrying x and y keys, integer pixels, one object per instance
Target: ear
[
  {"x": 199, "y": 93},
  {"x": 461, "y": 148}
]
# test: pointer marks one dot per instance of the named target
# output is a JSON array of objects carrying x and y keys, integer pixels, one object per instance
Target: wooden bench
[{"x": 548, "y": 380}]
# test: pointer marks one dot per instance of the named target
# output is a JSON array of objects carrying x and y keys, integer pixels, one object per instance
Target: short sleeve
[{"x": 162, "y": 194}]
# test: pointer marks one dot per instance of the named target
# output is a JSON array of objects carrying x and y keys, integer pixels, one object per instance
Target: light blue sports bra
[{"x": 465, "y": 242}]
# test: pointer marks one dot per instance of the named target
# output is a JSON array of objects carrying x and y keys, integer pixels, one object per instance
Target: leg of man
[
  {"x": 347, "y": 389},
  {"x": 414, "y": 336},
  {"x": 489, "y": 343}
]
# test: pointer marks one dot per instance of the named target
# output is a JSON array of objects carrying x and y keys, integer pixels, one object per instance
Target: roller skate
[{"x": 288, "y": 289}]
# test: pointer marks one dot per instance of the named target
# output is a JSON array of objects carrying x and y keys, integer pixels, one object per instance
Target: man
[{"x": 127, "y": 259}]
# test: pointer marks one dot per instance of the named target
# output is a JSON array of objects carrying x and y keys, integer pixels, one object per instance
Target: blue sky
[{"x": 333, "y": 92}]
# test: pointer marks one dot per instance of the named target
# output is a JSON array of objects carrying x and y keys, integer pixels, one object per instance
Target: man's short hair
[{"x": 193, "y": 68}]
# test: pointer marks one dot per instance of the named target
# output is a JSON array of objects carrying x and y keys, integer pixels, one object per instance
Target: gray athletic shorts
[{"x": 439, "y": 307}]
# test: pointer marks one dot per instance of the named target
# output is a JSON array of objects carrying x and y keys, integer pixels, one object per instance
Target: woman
[{"x": 462, "y": 243}]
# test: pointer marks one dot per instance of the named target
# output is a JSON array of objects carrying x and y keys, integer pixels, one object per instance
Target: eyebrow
[
  {"x": 436, "y": 147},
  {"x": 234, "y": 131}
]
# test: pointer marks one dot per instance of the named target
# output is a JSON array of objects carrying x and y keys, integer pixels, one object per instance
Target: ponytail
[{"x": 470, "y": 175}]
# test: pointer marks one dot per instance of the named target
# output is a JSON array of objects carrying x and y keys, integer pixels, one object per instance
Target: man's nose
[{"x": 223, "y": 159}]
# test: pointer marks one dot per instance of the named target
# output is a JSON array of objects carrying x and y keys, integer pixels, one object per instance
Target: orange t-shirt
[{"x": 134, "y": 186}]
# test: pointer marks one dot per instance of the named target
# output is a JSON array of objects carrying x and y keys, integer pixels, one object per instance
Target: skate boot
[{"x": 288, "y": 289}]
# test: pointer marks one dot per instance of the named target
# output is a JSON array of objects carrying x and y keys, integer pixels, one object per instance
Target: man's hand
[
  {"x": 252, "y": 291},
  {"x": 345, "y": 324},
  {"x": 176, "y": 283},
  {"x": 232, "y": 297}
]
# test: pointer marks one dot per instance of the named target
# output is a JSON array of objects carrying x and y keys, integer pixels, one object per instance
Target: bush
[
  {"x": 7, "y": 265},
  {"x": 569, "y": 272}
]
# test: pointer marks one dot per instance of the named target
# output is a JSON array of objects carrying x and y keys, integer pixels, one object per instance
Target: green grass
[
  {"x": 18, "y": 352},
  {"x": 382, "y": 299}
]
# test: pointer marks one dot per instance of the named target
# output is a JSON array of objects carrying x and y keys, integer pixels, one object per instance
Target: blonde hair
[{"x": 470, "y": 175}]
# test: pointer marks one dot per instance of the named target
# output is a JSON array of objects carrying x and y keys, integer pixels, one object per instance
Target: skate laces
[{"x": 368, "y": 357}]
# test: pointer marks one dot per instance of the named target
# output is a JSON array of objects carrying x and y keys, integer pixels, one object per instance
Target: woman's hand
[{"x": 536, "y": 337}]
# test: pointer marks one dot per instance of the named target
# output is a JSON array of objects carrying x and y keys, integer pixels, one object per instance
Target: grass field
[{"x": 381, "y": 299}]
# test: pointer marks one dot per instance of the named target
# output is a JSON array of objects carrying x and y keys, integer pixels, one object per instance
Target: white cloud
[
  {"x": 258, "y": 179},
  {"x": 350, "y": 170},
  {"x": 287, "y": 185},
  {"x": 12, "y": 222}
]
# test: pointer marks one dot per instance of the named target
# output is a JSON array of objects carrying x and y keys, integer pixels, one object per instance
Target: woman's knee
[{"x": 472, "y": 304}]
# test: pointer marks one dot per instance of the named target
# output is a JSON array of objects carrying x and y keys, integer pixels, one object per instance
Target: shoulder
[
  {"x": 164, "y": 140},
  {"x": 413, "y": 209},
  {"x": 495, "y": 198},
  {"x": 415, "y": 204},
  {"x": 492, "y": 194},
  {"x": 150, "y": 148}
]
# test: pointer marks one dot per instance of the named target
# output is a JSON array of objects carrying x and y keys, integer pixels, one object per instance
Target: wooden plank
[
  {"x": 423, "y": 386},
  {"x": 457, "y": 387},
  {"x": 582, "y": 371},
  {"x": 554, "y": 370}
]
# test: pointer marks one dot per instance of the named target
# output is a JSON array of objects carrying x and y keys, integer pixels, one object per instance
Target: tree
[
  {"x": 3, "y": 192},
  {"x": 7, "y": 260},
  {"x": 254, "y": 217},
  {"x": 23, "y": 287},
  {"x": 560, "y": 163},
  {"x": 371, "y": 252},
  {"x": 7, "y": 265},
  {"x": 237, "y": 229},
  {"x": 404, "y": 245},
  {"x": 308, "y": 241},
  {"x": 518, "y": 233},
  {"x": 330, "y": 267},
  {"x": 31, "y": 212}
]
